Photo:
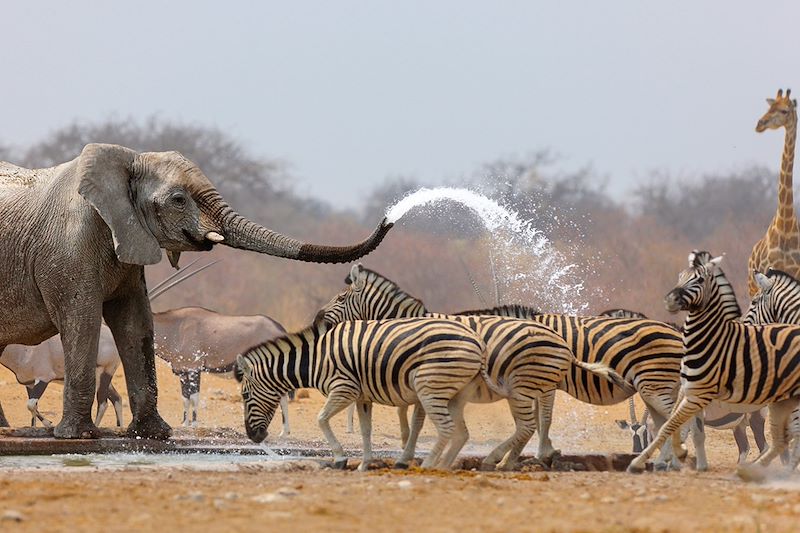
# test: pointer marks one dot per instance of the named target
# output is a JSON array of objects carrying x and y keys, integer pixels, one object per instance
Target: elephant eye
[{"x": 178, "y": 200}]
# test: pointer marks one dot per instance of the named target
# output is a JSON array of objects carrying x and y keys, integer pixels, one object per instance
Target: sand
[{"x": 302, "y": 495}]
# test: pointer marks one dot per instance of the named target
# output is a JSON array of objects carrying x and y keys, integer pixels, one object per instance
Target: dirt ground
[{"x": 302, "y": 495}]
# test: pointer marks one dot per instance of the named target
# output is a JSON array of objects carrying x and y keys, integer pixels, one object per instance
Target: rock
[
  {"x": 12, "y": 515},
  {"x": 281, "y": 495},
  {"x": 270, "y": 497},
  {"x": 404, "y": 484}
]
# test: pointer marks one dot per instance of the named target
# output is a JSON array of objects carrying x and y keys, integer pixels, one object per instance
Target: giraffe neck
[{"x": 785, "y": 220}]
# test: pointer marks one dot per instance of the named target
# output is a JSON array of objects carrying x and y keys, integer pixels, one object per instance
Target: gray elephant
[
  {"x": 74, "y": 240},
  {"x": 193, "y": 340}
]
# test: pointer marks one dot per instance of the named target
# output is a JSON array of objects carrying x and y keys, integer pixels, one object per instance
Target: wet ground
[{"x": 248, "y": 492}]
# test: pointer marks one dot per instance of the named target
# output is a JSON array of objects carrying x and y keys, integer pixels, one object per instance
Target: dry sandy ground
[{"x": 279, "y": 496}]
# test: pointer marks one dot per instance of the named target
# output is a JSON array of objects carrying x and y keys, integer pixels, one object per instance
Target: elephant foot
[
  {"x": 75, "y": 428},
  {"x": 150, "y": 427},
  {"x": 341, "y": 464},
  {"x": 400, "y": 466}
]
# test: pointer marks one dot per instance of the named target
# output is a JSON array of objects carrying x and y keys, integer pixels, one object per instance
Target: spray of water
[{"x": 529, "y": 268}]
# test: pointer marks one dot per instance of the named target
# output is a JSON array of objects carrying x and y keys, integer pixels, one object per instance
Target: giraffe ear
[{"x": 770, "y": 101}]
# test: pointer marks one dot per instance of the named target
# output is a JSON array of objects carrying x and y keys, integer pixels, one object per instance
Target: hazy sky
[{"x": 351, "y": 92}]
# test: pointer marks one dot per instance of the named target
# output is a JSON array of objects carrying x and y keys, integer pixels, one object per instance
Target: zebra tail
[
  {"x": 492, "y": 385},
  {"x": 608, "y": 373}
]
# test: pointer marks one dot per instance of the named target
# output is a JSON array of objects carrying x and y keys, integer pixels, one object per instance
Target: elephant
[
  {"x": 37, "y": 366},
  {"x": 194, "y": 340},
  {"x": 74, "y": 240}
]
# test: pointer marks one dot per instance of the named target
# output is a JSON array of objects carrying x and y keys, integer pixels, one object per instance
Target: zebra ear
[
  {"x": 358, "y": 278},
  {"x": 716, "y": 260},
  {"x": 764, "y": 283},
  {"x": 244, "y": 366},
  {"x": 692, "y": 257},
  {"x": 355, "y": 270}
]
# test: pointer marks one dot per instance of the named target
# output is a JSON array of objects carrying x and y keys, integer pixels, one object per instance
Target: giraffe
[{"x": 780, "y": 247}]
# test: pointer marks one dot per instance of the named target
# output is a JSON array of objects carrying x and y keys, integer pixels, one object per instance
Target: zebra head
[
  {"x": 370, "y": 296},
  {"x": 693, "y": 283},
  {"x": 782, "y": 111},
  {"x": 347, "y": 305},
  {"x": 777, "y": 299},
  {"x": 260, "y": 400}
]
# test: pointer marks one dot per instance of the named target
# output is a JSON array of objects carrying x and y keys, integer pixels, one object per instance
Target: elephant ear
[{"x": 105, "y": 172}]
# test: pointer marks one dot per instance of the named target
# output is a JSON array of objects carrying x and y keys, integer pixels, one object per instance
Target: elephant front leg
[
  {"x": 131, "y": 322},
  {"x": 80, "y": 333}
]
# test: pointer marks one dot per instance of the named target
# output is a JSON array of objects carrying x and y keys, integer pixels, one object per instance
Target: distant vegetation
[{"x": 630, "y": 251}]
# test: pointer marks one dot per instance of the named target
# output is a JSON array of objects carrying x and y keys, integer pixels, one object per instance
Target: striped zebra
[
  {"x": 728, "y": 360},
  {"x": 778, "y": 301},
  {"x": 434, "y": 363},
  {"x": 645, "y": 353},
  {"x": 717, "y": 415}
]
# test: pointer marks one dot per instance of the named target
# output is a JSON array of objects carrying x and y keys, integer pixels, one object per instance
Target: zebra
[
  {"x": 644, "y": 353},
  {"x": 726, "y": 359},
  {"x": 431, "y": 362},
  {"x": 524, "y": 361},
  {"x": 717, "y": 415},
  {"x": 777, "y": 301}
]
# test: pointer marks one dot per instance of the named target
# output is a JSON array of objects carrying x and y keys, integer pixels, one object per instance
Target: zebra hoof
[
  {"x": 340, "y": 464},
  {"x": 633, "y": 468}
]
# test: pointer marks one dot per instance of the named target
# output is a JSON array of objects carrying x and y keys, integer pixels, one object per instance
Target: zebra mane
[
  {"x": 513, "y": 310},
  {"x": 391, "y": 288},
  {"x": 316, "y": 328},
  {"x": 777, "y": 273},
  {"x": 728, "y": 295}
]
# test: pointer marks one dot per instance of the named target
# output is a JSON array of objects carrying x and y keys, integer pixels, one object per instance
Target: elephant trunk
[{"x": 230, "y": 228}]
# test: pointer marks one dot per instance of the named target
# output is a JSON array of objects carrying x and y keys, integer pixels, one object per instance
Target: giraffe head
[{"x": 781, "y": 112}]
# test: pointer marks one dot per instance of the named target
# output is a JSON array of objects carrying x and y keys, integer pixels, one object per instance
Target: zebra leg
[
  {"x": 284, "y": 415},
  {"x": 757, "y": 423},
  {"x": 521, "y": 409},
  {"x": 34, "y": 394},
  {"x": 685, "y": 410},
  {"x": 337, "y": 402},
  {"x": 460, "y": 433},
  {"x": 666, "y": 459},
  {"x": 116, "y": 401},
  {"x": 697, "y": 427},
  {"x": 350, "y": 410},
  {"x": 365, "y": 422},
  {"x": 437, "y": 410},
  {"x": 779, "y": 414},
  {"x": 794, "y": 432},
  {"x": 524, "y": 418},
  {"x": 417, "y": 420},
  {"x": 402, "y": 416},
  {"x": 543, "y": 409},
  {"x": 740, "y": 436}
]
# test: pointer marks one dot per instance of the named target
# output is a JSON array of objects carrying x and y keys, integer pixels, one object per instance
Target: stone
[{"x": 12, "y": 515}]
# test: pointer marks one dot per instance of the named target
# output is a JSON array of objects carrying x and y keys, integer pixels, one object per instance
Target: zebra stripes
[
  {"x": 645, "y": 353},
  {"x": 716, "y": 415},
  {"x": 778, "y": 301},
  {"x": 726, "y": 359},
  {"x": 431, "y": 362}
]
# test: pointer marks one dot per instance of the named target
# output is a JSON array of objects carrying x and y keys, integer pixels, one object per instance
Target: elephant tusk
[{"x": 213, "y": 236}]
